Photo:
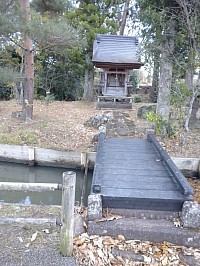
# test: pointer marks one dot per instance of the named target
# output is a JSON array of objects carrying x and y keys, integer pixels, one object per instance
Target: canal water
[{"x": 11, "y": 172}]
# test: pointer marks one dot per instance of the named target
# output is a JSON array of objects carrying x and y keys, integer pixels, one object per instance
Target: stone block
[
  {"x": 190, "y": 215},
  {"x": 146, "y": 230},
  {"x": 78, "y": 225},
  {"x": 144, "y": 110},
  {"x": 94, "y": 207}
]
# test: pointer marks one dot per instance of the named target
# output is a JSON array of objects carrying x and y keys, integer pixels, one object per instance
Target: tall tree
[
  {"x": 179, "y": 48},
  {"x": 160, "y": 20},
  {"x": 124, "y": 17},
  {"x": 150, "y": 18},
  {"x": 28, "y": 92},
  {"x": 166, "y": 68},
  {"x": 93, "y": 17},
  {"x": 18, "y": 29},
  {"x": 190, "y": 24},
  {"x": 53, "y": 7},
  {"x": 58, "y": 59}
]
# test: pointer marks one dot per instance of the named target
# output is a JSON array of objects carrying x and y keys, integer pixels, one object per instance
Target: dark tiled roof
[{"x": 116, "y": 49}]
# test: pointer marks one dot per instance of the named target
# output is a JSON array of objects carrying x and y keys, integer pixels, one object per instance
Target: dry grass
[{"x": 60, "y": 125}]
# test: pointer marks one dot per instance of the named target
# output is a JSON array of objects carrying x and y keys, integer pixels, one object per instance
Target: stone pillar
[
  {"x": 94, "y": 207},
  {"x": 190, "y": 215}
]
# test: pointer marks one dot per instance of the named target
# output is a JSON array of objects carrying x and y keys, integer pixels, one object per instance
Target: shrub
[
  {"x": 137, "y": 99},
  {"x": 161, "y": 124}
]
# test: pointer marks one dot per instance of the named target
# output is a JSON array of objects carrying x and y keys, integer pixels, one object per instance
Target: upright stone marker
[
  {"x": 190, "y": 215},
  {"x": 94, "y": 207}
]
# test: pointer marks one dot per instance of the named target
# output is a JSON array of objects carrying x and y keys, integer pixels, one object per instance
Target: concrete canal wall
[{"x": 74, "y": 159}]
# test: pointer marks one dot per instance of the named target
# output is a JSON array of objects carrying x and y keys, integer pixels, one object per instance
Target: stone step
[
  {"x": 152, "y": 230},
  {"x": 144, "y": 214}
]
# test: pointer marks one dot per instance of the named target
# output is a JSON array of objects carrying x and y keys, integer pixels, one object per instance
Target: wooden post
[
  {"x": 40, "y": 222},
  {"x": 84, "y": 184},
  {"x": 31, "y": 156},
  {"x": 67, "y": 214},
  {"x": 83, "y": 160}
]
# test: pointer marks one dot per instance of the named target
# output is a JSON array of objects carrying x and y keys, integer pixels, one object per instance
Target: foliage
[
  {"x": 49, "y": 98},
  {"x": 52, "y": 7},
  {"x": 137, "y": 99},
  {"x": 180, "y": 96},
  {"x": 25, "y": 137},
  {"x": 92, "y": 17},
  {"x": 134, "y": 79},
  {"x": 58, "y": 61},
  {"x": 52, "y": 34},
  {"x": 9, "y": 54},
  {"x": 179, "y": 93},
  {"x": 9, "y": 75},
  {"x": 160, "y": 123},
  {"x": 5, "y": 93},
  {"x": 59, "y": 76},
  {"x": 182, "y": 15},
  {"x": 57, "y": 54}
]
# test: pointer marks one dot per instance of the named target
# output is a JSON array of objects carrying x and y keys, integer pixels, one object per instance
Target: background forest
[{"x": 46, "y": 49}]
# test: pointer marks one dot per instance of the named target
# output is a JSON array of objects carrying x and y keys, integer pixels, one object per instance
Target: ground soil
[{"x": 61, "y": 125}]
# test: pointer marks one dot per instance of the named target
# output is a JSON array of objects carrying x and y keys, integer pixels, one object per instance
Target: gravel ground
[
  {"x": 18, "y": 250},
  {"x": 47, "y": 257}
]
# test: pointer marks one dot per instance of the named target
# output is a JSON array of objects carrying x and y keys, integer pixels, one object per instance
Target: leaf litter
[{"x": 97, "y": 250}]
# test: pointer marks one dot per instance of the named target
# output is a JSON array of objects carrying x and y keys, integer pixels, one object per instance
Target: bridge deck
[{"x": 138, "y": 174}]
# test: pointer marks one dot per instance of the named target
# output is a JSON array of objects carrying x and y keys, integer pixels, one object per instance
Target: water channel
[{"x": 11, "y": 172}]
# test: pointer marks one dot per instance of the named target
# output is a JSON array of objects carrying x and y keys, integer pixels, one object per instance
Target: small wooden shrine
[{"x": 116, "y": 56}]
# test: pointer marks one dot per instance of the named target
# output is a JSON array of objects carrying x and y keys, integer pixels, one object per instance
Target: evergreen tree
[
  {"x": 160, "y": 22},
  {"x": 19, "y": 29},
  {"x": 93, "y": 17}
]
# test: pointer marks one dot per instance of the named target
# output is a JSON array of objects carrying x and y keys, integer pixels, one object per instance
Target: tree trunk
[
  {"x": 154, "y": 90},
  {"x": 165, "y": 80},
  {"x": 89, "y": 80},
  {"x": 194, "y": 92},
  {"x": 18, "y": 88},
  {"x": 189, "y": 77},
  {"x": 28, "y": 93},
  {"x": 190, "y": 86},
  {"x": 163, "y": 102},
  {"x": 124, "y": 17}
]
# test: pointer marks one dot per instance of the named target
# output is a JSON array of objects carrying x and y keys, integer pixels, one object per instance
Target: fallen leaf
[
  {"x": 34, "y": 236},
  {"x": 120, "y": 260},
  {"x": 98, "y": 242},
  {"x": 20, "y": 239},
  {"x": 121, "y": 238},
  {"x": 27, "y": 245},
  {"x": 85, "y": 225},
  {"x": 147, "y": 259},
  {"x": 80, "y": 241},
  {"x": 164, "y": 261},
  {"x": 46, "y": 231}
]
